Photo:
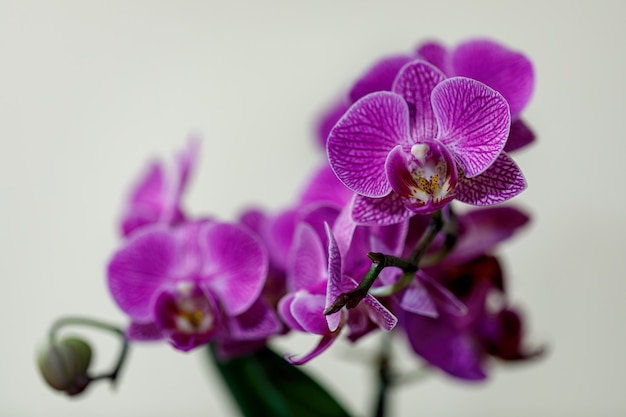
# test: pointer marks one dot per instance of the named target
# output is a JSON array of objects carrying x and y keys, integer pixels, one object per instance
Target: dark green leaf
[{"x": 264, "y": 384}]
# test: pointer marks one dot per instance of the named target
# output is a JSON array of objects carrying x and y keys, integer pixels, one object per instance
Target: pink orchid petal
[
  {"x": 149, "y": 200},
  {"x": 325, "y": 342},
  {"x": 358, "y": 145},
  {"x": 343, "y": 230},
  {"x": 482, "y": 229},
  {"x": 329, "y": 119},
  {"x": 236, "y": 266},
  {"x": 334, "y": 287},
  {"x": 379, "y": 314},
  {"x": 474, "y": 122},
  {"x": 443, "y": 298},
  {"x": 144, "y": 332},
  {"x": 444, "y": 346},
  {"x": 379, "y": 77},
  {"x": 506, "y": 71},
  {"x": 398, "y": 174},
  {"x": 308, "y": 310},
  {"x": 284, "y": 311},
  {"x": 415, "y": 83},
  {"x": 416, "y": 299},
  {"x": 383, "y": 211},
  {"x": 307, "y": 259},
  {"x": 520, "y": 136},
  {"x": 502, "y": 181},
  {"x": 258, "y": 322},
  {"x": 436, "y": 54},
  {"x": 325, "y": 187},
  {"x": 138, "y": 270}
]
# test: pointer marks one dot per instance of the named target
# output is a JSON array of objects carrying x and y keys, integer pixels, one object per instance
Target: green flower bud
[{"x": 64, "y": 365}]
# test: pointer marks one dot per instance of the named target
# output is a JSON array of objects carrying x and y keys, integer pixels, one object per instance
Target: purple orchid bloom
[
  {"x": 506, "y": 71},
  {"x": 314, "y": 282},
  {"x": 192, "y": 284},
  {"x": 461, "y": 344},
  {"x": 400, "y": 150},
  {"x": 457, "y": 343},
  {"x": 156, "y": 197}
]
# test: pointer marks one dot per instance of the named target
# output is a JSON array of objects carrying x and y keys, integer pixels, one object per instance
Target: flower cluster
[{"x": 374, "y": 241}]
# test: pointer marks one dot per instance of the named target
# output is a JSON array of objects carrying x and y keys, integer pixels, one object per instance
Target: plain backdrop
[{"x": 89, "y": 90}]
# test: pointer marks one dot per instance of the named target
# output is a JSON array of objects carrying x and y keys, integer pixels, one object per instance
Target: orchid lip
[
  {"x": 187, "y": 310},
  {"x": 424, "y": 177}
]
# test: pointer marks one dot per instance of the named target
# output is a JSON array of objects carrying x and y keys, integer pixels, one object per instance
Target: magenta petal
[
  {"x": 343, "y": 230},
  {"x": 502, "y": 181},
  {"x": 520, "y": 136},
  {"x": 325, "y": 187},
  {"x": 482, "y": 229},
  {"x": 334, "y": 287},
  {"x": 379, "y": 77},
  {"x": 443, "y": 298},
  {"x": 308, "y": 310},
  {"x": 144, "y": 332},
  {"x": 506, "y": 71},
  {"x": 398, "y": 174},
  {"x": 383, "y": 211},
  {"x": 416, "y": 299},
  {"x": 444, "y": 346},
  {"x": 358, "y": 145},
  {"x": 258, "y": 322},
  {"x": 235, "y": 266},
  {"x": 148, "y": 202},
  {"x": 379, "y": 314},
  {"x": 138, "y": 270},
  {"x": 325, "y": 342},
  {"x": 474, "y": 122},
  {"x": 436, "y": 54},
  {"x": 284, "y": 311},
  {"x": 307, "y": 259},
  {"x": 415, "y": 83},
  {"x": 328, "y": 119}
]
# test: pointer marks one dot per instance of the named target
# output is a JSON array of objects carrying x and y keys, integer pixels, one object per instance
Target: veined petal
[
  {"x": 444, "y": 346},
  {"x": 139, "y": 268},
  {"x": 481, "y": 230},
  {"x": 258, "y": 322},
  {"x": 520, "y": 136},
  {"x": 235, "y": 266},
  {"x": 379, "y": 77},
  {"x": 358, "y": 145},
  {"x": 308, "y": 310},
  {"x": 436, "y": 54},
  {"x": 502, "y": 181},
  {"x": 325, "y": 187},
  {"x": 416, "y": 299},
  {"x": 334, "y": 287},
  {"x": 284, "y": 311},
  {"x": 144, "y": 332},
  {"x": 415, "y": 83},
  {"x": 382, "y": 211},
  {"x": 379, "y": 314},
  {"x": 328, "y": 119},
  {"x": 506, "y": 71},
  {"x": 473, "y": 120},
  {"x": 307, "y": 260}
]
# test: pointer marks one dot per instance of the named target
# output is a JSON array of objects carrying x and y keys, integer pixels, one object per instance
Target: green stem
[
  {"x": 81, "y": 321},
  {"x": 380, "y": 261},
  {"x": 415, "y": 258},
  {"x": 384, "y": 377}
]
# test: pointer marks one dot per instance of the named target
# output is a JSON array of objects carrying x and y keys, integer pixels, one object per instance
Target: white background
[{"x": 90, "y": 90}]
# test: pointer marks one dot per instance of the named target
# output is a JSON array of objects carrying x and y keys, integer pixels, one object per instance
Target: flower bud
[{"x": 64, "y": 365}]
